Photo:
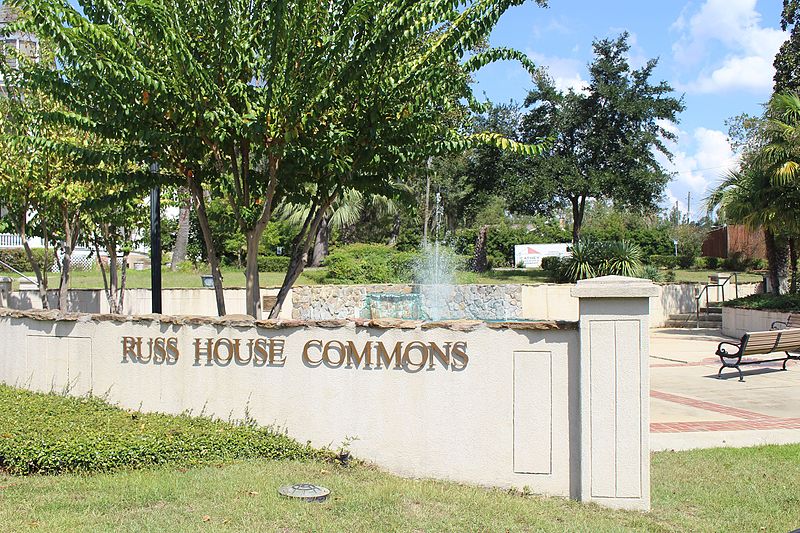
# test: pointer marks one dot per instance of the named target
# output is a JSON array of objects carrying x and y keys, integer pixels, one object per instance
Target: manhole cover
[{"x": 305, "y": 491}]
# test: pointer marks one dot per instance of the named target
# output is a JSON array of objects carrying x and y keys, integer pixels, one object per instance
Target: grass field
[
  {"x": 232, "y": 278},
  {"x": 714, "y": 490},
  {"x": 741, "y": 490}
]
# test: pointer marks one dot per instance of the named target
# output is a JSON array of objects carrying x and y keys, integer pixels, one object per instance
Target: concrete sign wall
[{"x": 538, "y": 404}]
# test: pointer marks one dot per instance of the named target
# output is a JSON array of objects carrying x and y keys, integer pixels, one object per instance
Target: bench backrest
[
  {"x": 793, "y": 321},
  {"x": 763, "y": 342},
  {"x": 789, "y": 340},
  {"x": 760, "y": 342}
]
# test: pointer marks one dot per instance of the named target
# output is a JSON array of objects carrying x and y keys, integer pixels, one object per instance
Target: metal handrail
[
  {"x": 734, "y": 276},
  {"x": 18, "y": 273}
]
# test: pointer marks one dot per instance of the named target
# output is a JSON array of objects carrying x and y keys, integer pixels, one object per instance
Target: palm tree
[
  {"x": 751, "y": 196},
  {"x": 781, "y": 155}
]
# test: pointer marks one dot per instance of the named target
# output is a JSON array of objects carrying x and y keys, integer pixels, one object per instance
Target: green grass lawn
[
  {"x": 211, "y": 487},
  {"x": 140, "y": 279},
  {"x": 756, "y": 489}
]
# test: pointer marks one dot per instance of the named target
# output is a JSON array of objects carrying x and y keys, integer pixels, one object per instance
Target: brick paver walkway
[{"x": 750, "y": 419}]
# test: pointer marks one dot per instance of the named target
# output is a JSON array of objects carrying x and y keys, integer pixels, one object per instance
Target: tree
[
  {"x": 605, "y": 139},
  {"x": 268, "y": 101},
  {"x": 749, "y": 196},
  {"x": 787, "y": 61},
  {"x": 765, "y": 192}
]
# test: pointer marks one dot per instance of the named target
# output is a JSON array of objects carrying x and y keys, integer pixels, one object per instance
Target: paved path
[{"x": 691, "y": 408}]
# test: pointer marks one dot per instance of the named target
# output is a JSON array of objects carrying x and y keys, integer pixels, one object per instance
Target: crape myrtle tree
[
  {"x": 270, "y": 101},
  {"x": 50, "y": 174},
  {"x": 605, "y": 139}
]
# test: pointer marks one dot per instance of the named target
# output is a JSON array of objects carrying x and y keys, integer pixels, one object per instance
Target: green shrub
[
  {"x": 700, "y": 263},
  {"x": 556, "y": 269},
  {"x": 738, "y": 262},
  {"x": 50, "y": 434},
  {"x": 767, "y": 302},
  {"x": 664, "y": 261},
  {"x": 652, "y": 273},
  {"x": 758, "y": 264},
  {"x": 369, "y": 263},
  {"x": 669, "y": 277},
  {"x": 17, "y": 259},
  {"x": 686, "y": 261},
  {"x": 273, "y": 263},
  {"x": 620, "y": 258},
  {"x": 187, "y": 267}
]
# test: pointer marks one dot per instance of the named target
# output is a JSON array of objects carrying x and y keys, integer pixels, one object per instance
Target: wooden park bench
[
  {"x": 792, "y": 322},
  {"x": 760, "y": 343}
]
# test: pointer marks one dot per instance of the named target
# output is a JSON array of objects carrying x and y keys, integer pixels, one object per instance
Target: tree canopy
[
  {"x": 263, "y": 102},
  {"x": 604, "y": 139}
]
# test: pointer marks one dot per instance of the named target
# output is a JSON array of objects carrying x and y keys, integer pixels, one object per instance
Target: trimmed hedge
[
  {"x": 767, "y": 302},
  {"x": 369, "y": 263},
  {"x": 17, "y": 259},
  {"x": 664, "y": 261},
  {"x": 50, "y": 434},
  {"x": 273, "y": 263}
]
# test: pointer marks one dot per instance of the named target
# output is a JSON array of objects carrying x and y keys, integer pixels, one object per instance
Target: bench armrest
[
  {"x": 725, "y": 353},
  {"x": 779, "y": 324}
]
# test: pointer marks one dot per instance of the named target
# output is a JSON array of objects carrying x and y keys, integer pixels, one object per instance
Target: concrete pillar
[{"x": 614, "y": 398}]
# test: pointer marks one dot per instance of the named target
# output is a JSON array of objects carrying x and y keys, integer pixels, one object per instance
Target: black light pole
[{"x": 155, "y": 244}]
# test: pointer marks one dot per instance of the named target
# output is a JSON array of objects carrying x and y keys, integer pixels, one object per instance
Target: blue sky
[{"x": 717, "y": 54}]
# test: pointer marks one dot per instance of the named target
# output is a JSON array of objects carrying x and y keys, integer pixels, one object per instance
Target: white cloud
[
  {"x": 699, "y": 160},
  {"x": 566, "y": 72},
  {"x": 748, "y": 49}
]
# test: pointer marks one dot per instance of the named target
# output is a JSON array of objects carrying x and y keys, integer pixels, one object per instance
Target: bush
[
  {"x": 669, "y": 277},
  {"x": 767, "y": 302},
  {"x": 556, "y": 269},
  {"x": 713, "y": 262},
  {"x": 369, "y": 263},
  {"x": 664, "y": 261},
  {"x": 273, "y": 263},
  {"x": 50, "y": 434},
  {"x": 738, "y": 262},
  {"x": 700, "y": 263},
  {"x": 17, "y": 259},
  {"x": 652, "y": 273}
]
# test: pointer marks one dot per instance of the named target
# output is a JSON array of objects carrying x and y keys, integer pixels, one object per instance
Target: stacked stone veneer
[{"x": 472, "y": 302}]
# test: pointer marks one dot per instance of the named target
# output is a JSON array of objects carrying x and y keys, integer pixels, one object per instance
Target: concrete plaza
[{"x": 691, "y": 408}]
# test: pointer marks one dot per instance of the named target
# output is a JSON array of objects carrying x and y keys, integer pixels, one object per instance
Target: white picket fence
[{"x": 12, "y": 240}]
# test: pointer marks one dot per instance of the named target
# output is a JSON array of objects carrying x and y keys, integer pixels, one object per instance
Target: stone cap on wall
[
  {"x": 247, "y": 321},
  {"x": 615, "y": 287}
]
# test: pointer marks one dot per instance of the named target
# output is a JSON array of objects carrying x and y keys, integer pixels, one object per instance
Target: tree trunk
[
  {"x": 479, "y": 260},
  {"x": 578, "y": 210},
  {"x": 396, "y": 225},
  {"x": 184, "y": 222},
  {"x": 252, "y": 283},
  {"x": 321, "y": 242},
  {"x": 778, "y": 258},
  {"x": 300, "y": 248},
  {"x": 71, "y": 232},
  {"x": 37, "y": 268},
  {"x": 211, "y": 253}
]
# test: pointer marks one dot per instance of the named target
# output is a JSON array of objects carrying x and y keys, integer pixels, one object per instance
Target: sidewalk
[{"x": 691, "y": 408}]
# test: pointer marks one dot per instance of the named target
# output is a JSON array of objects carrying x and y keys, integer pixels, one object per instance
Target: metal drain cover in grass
[{"x": 305, "y": 492}]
